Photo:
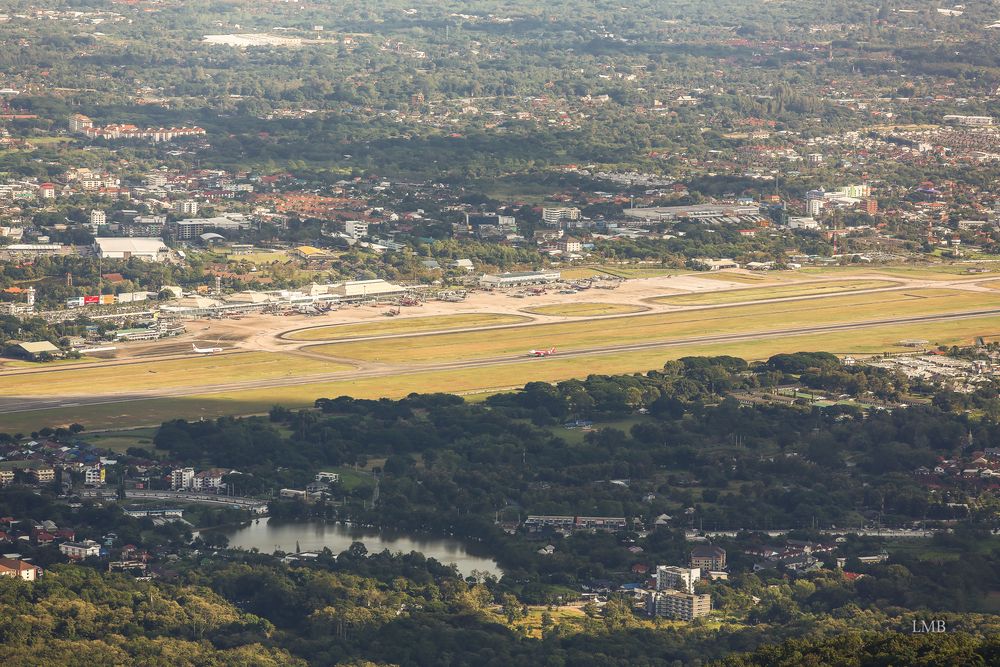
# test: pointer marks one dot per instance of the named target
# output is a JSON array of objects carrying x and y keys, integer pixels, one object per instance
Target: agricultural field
[
  {"x": 494, "y": 378},
  {"x": 774, "y": 292},
  {"x": 405, "y": 325},
  {"x": 664, "y": 327},
  {"x": 194, "y": 372},
  {"x": 585, "y": 309}
]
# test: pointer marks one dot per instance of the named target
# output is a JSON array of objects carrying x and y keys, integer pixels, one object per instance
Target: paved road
[{"x": 24, "y": 404}]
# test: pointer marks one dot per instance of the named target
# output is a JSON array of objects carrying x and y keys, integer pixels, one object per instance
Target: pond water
[{"x": 268, "y": 536}]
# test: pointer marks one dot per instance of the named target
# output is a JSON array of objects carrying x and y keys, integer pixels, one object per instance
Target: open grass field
[
  {"x": 581, "y": 273},
  {"x": 917, "y": 272},
  {"x": 258, "y": 257},
  {"x": 633, "y": 272},
  {"x": 585, "y": 309},
  {"x": 663, "y": 326},
  {"x": 191, "y": 372},
  {"x": 773, "y": 292},
  {"x": 746, "y": 278},
  {"x": 567, "y": 616},
  {"x": 489, "y": 380},
  {"x": 992, "y": 284},
  {"x": 405, "y": 325},
  {"x": 17, "y": 364},
  {"x": 119, "y": 441}
]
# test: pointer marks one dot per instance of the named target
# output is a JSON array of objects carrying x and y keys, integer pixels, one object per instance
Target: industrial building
[
  {"x": 148, "y": 249},
  {"x": 716, "y": 213},
  {"x": 519, "y": 278},
  {"x": 364, "y": 289}
]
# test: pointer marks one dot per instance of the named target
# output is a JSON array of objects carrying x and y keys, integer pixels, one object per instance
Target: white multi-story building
[
  {"x": 98, "y": 217},
  {"x": 356, "y": 228},
  {"x": 557, "y": 215},
  {"x": 94, "y": 475},
  {"x": 677, "y": 578},
  {"x": 186, "y": 207},
  {"x": 78, "y": 122},
  {"x": 209, "y": 480},
  {"x": 181, "y": 478},
  {"x": 156, "y": 179},
  {"x": 79, "y": 550}
]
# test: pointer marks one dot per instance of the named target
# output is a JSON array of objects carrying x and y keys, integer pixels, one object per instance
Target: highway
[{"x": 26, "y": 404}]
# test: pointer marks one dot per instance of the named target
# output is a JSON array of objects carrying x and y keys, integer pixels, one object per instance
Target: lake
[{"x": 267, "y": 536}]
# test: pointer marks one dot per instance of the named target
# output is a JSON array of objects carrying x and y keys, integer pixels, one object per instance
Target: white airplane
[
  {"x": 205, "y": 350},
  {"x": 542, "y": 353}
]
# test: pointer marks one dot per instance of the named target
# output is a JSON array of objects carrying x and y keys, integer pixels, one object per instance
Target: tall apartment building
[
  {"x": 678, "y": 605},
  {"x": 182, "y": 478},
  {"x": 677, "y": 578},
  {"x": 708, "y": 557},
  {"x": 186, "y": 207},
  {"x": 156, "y": 179},
  {"x": 78, "y": 122},
  {"x": 144, "y": 226},
  {"x": 557, "y": 215},
  {"x": 98, "y": 217}
]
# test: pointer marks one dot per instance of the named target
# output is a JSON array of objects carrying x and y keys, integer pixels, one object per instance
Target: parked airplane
[
  {"x": 205, "y": 350},
  {"x": 542, "y": 353}
]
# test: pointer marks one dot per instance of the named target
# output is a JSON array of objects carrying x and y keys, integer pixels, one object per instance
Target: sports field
[
  {"x": 585, "y": 309},
  {"x": 773, "y": 292},
  {"x": 664, "y": 326},
  {"x": 405, "y": 325}
]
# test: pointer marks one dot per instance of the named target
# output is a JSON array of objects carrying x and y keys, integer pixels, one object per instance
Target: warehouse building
[
  {"x": 148, "y": 249},
  {"x": 519, "y": 278},
  {"x": 367, "y": 289}
]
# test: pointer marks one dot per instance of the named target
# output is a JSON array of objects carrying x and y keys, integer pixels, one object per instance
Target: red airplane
[{"x": 542, "y": 353}]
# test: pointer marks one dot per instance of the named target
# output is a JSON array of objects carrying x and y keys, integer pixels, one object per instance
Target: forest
[{"x": 685, "y": 447}]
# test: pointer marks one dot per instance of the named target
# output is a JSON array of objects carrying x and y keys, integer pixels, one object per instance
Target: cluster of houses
[
  {"x": 955, "y": 373},
  {"x": 980, "y": 467},
  {"x": 36, "y": 462},
  {"x": 792, "y": 555}
]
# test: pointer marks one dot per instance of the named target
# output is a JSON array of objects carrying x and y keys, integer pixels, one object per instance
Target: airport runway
[{"x": 26, "y": 404}]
